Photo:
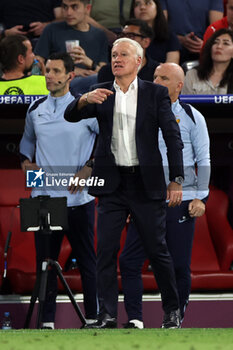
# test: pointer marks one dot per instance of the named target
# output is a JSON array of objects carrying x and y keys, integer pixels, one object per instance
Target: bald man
[{"x": 180, "y": 220}]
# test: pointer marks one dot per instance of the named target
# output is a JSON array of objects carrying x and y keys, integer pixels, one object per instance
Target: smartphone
[
  {"x": 25, "y": 28},
  {"x": 193, "y": 37}
]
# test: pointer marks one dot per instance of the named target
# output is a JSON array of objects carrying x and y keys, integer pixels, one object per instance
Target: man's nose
[{"x": 69, "y": 11}]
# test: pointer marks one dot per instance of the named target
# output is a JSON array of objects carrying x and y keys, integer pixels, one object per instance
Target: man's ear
[
  {"x": 71, "y": 76},
  {"x": 20, "y": 59},
  {"x": 146, "y": 43},
  {"x": 180, "y": 86},
  {"x": 139, "y": 60},
  {"x": 88, "y": 8}
]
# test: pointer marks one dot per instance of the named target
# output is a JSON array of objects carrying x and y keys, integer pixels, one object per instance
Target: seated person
[
  {"x": 109, "y": 16},
  {"x": 189, "y": 20},
  {"x": 225, "y": 22},
  {"x": 140, "y": 31},
  {"x": 28, "y": 17},
  {"x": 92, "y": 52},
  {"x": 214, "y": 75},
  {"x": 16, "y": 59},
  {"x": 165, "y": 45}
]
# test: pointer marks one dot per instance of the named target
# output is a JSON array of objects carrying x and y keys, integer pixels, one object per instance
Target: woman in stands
[
  {"x": 165, "y": 45},
  {"x": 214, "y": 75}
]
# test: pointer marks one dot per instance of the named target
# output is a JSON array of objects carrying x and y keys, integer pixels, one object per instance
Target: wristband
[{"x": 94, "y": 65}]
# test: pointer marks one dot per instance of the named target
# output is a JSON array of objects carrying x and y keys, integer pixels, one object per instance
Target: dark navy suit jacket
[{"x": 153, "y": 112}]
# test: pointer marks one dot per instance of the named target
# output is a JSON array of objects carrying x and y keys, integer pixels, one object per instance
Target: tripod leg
[
  {"x": 42, "y": 291},
  {"x": 69, "y": 293},
  {"x": 33, "y": 299}
]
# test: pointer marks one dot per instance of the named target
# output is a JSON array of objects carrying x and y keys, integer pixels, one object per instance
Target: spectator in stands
[
  {"x": 92, "y": 52},
  {"x": 140, "y": 31},
  {"x": 214, "y": 75},
  {"x": 189, "y": 20},
  {"x": 225, "y": 22},
  {"x": 165, "y": 46},
  {"x": 180, "y": 220},
  {"x": 61, "y": 148},
  {"x": 16, "y": 59},
  {"x": 109, "y": 16},
  {"x": 28, "y": 17}
]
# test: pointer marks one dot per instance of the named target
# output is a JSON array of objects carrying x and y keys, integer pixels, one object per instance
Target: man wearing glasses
[{"x": 138, "y": 30}]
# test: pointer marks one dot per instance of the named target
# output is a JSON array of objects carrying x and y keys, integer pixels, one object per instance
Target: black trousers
[
  {"x": 179, "y": 237},
  {"x": 150, "y": 218},
  {"x": 81, "y": 238}
]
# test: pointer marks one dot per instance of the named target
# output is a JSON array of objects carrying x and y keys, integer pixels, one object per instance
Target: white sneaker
[
  {"x": 137, "y": 324},
  {"x": 90, "y": 321},
  {"x": 47, "y": 325}
]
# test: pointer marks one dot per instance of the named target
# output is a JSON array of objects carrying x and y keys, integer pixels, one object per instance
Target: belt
[{"x": 129, "y": 169}]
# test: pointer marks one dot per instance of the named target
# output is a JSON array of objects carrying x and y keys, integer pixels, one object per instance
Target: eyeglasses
[{"x": 131, "y": 35}]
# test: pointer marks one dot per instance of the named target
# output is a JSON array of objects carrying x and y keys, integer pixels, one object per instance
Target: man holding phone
[{"x": 28, "y": 17}]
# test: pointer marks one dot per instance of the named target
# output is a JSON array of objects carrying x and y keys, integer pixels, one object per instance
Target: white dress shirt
[{"x": 123, "y": 143}]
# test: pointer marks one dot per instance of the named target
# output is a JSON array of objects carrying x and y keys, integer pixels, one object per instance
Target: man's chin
[
  {"x": 117, "y": 73},
  {"x": 27, "y": 71}
]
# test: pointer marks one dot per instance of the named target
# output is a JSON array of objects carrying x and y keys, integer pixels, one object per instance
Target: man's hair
[
  {"x": 65, "y": 57},
  {"x": 10, "y": 48},
  {"x": 85, "y": 2},
  {"x": 144, "y": 28},
  {"x": 139, "y": 49}
]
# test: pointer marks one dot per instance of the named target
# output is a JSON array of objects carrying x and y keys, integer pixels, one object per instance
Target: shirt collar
[
  {"x": 60, "y": 99},
  {"x": 133, "y": 85},
  {"x": 176, "y": 106}
]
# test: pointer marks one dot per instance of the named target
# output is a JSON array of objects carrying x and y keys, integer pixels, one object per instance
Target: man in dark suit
[{"x": 130, "y": 112}]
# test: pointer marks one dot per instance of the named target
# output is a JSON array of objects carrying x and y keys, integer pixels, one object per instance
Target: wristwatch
[
  {"x": 90, "y": 163},
  {"x": 178, "y": 179},
  {"x": 94, "y": 65}
]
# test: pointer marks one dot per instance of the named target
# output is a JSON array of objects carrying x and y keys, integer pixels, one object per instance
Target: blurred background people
[
  {"x": 16, "y": 60},
  {"x": 165, "y": 46},
  {"x": 28, "y": 17},
  {"x": 109, "y": 16},
  {"x": 225, "y": 22},
  {"x": 189, "y": 20},
  {"x": 91, "y": 51},
  {"x": 214, "y": 75}
]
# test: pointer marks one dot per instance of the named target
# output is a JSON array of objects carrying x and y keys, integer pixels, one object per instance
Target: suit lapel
[
  {"x": 109, "y": 107},
  {"x": 141, "y": 105}
]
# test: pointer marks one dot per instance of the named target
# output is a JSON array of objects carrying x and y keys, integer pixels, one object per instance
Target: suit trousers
[
  {"x": 179, "y": 237},
  {"x": 149, "y": 216},
  {"x": 81, "y": 238}
]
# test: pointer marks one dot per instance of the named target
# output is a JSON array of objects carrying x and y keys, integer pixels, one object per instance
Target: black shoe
[
  {"x": 129, "y": 325},
  {"x": 106, "y": 321},
  {"x": 172, "y": 319}
]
